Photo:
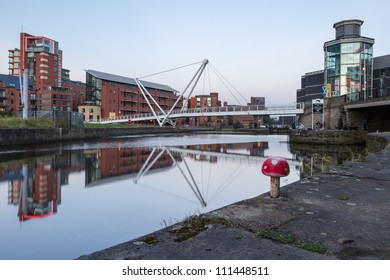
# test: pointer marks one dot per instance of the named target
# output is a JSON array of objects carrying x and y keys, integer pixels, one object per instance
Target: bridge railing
[{"x": 225, "y": 109}]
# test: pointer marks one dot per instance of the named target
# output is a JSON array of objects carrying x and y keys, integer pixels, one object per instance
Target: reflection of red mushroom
[{"x": 275, "y": 167}]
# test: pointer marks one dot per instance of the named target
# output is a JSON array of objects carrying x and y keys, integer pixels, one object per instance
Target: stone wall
[
  {"x": 378, "y": 141},
  {"x": 335, "y": 117},
  {"x": 333, "y": 112},
  {"x": 40, "y": 136},
  {"x": 369, "y": 119},
  {"x": 330, "y": 137}
]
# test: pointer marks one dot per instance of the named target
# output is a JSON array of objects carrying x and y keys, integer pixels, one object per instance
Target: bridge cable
[
  {"x": 219, "y": 74},
  {"x": 227, "y": 87},
  {"x": 230, "y": 179},
  {"x": 161, "y": 72},
  {"x": 208, "y": 72}
]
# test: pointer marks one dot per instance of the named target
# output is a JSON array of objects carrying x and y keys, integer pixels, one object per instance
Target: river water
[{"x": 65, "y": 200}]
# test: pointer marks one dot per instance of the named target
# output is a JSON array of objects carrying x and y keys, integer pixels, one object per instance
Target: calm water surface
[{"x": 60, "y": 202}]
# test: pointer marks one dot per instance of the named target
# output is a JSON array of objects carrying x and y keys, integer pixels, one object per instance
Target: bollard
[{"x": 275, "y": 167}]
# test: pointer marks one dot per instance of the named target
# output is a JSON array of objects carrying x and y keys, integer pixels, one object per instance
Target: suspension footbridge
[{"x": 174, "y": 113}]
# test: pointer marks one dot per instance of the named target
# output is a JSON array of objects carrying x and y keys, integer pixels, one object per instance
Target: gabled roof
[
  {"x": 12, "y": 81},
  {"x": 126, "y": 80}
]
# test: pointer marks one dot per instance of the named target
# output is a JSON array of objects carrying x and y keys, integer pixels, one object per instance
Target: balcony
[
  {"x": 2, "y": 94},
  {"x": 33, "y": 48},
  {"x": 3, "y": 103}
]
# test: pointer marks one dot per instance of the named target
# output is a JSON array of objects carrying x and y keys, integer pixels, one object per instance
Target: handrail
[{"x": 247, "y": 108}]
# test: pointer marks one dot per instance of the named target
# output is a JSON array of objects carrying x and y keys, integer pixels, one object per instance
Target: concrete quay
[{"x": 342, "y": 214}]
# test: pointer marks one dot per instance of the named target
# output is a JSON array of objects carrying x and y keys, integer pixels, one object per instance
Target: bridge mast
[
  {"x": 197, "y": 75},
  {"x": 163, "y": 114}
]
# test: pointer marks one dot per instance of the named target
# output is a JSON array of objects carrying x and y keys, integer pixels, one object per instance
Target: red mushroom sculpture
[{"x": 275, "y": 167}]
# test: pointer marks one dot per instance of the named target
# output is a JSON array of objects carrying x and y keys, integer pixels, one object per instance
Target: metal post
[{"x": 25, "y": 95}]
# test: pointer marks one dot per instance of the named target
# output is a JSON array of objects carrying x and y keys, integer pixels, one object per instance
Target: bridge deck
[{"x": 211, "y": 111}]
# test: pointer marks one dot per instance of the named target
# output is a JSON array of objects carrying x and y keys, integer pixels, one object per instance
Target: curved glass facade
[{"x": 349, "y": 69}]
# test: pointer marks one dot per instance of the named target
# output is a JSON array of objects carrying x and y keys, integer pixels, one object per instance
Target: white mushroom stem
[{"x": 275, "y": 187}]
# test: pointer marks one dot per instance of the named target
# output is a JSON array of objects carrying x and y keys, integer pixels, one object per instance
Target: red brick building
[
  {"x": 119, "y": 95},
  {"x": 10, "y": 96},
  {"x": 40, "y": 57},
  {"x": 202, "y": 102}
]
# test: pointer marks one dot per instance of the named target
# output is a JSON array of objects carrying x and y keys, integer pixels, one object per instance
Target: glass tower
[{"x": 348, "y": 62}]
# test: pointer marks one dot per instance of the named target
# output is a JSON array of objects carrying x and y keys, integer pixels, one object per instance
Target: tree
[{"x": 237, "y": 124}]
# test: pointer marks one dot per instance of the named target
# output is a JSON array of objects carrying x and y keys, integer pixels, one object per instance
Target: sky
[{"x": 262, "y": 48}]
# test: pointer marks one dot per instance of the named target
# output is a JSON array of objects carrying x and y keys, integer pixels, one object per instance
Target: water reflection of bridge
[
  {"x": 122, "y": 162},
  {"x": 233, "y": 156},
  {"x": 187, "y": 172},
  {"x": 116, "y": 163}
]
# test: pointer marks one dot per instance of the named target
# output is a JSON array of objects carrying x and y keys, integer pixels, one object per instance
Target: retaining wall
[
  {"x": 45, "y": 135},
  {"x": 334, "y": 137}
]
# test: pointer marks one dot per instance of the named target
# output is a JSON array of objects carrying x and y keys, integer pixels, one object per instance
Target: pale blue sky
[{"x": 261, "y": 47}]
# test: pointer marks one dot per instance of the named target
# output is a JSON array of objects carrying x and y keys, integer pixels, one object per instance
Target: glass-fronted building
[{"x": 349, "y": 62}]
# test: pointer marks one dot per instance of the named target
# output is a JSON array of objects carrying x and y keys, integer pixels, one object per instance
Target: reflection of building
[
  {"x": 255, "y": 149},
  {"x": 111, "y": 162},
  {"x": 37, "y": 192},
  {"x": 118, "y": 161},
  {"x": 36, "y": 188}
]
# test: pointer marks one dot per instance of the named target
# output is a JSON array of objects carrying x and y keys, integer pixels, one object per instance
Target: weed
[
  {"x": 313, "y": 248},
  {"x": 356, "y": 156},
  {"x": 15, "y": 122},
  {"x": 150, "y": 240},
  {"x": 195, "y": 224},
  {"x": 288, "y": 239},
  {"x": 275, "y": 236}
]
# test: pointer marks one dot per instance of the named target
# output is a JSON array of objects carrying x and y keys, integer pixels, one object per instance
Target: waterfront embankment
[
  {"x": 328, "y": 137},
  {"x": 341, "y": 214},
  {"x": 25, "y": 136},
  {"x": 20, "y": 136}
]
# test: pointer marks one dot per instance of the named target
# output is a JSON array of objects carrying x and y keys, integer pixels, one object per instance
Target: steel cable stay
[
  {"x": 227, "y": 182},
  {"x": 169, "y": 70},
  {"x": 159, "y": 190},
  {"x": 194, "y": 188},
  {"x": 164, "y": 116},
  {"x": 208, "y": 182},
  {"x": 223, "y": 79},
  {"x": 230, "y": 179},
  {"x": 172, "y": 115},
  {"x": 149, "y": 164},
  {"x": 156, "y": 154}
]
